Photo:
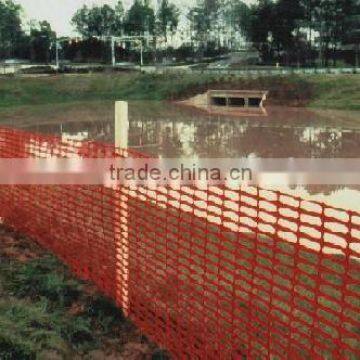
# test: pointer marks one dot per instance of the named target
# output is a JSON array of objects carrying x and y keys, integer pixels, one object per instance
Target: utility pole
[
  {"x": 113, "y": 59},
  {"x": 141, "y": 54},
  {"x": 57, "y": 48}
]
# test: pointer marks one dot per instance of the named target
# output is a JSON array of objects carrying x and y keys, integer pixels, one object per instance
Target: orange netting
[{"x": 211, "y": 274}]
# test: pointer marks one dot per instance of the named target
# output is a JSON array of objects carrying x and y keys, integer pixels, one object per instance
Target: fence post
[
  {"x": 121, "y": 124},
  {"x": 121, "y": 217}
]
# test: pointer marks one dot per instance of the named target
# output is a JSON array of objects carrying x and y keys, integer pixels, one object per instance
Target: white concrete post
[
  {"x": 121, "y": 218},
  {"x": 121, "y": 124}
]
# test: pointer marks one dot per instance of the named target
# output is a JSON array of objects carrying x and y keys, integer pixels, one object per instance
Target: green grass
[
  {"x": 37, "y": 279},
  {"x": 337, "y": 92},
  {"x": 62, "y": 89},
  {"x": 328, "y": 91},
  {"x": 28, "y": 330},
  {"x": 36, "y": 316}
]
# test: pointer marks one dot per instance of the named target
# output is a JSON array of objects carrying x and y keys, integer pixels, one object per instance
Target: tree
[
  {"x": 352, "y": 37},
  {"x": 332, "y": 21},
  {"x": 261, "y": 28},
  {"x": 99, "y": 20},
  {"x": 42, "y": 37},
  {"x": 10, "y": 27},
  {"x": 236, "y": 20},
  {"x": 203, "y": 21},
  {"x": 278, "y": 29},
  {"x": 241, "y": 15},
  {"x": 167, "y": 18},
  {"x": 285, "y": 28},
  {"x": 140, "y": 19}
]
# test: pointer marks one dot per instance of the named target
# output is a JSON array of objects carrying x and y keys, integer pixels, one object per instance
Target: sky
[{"x": 59, "y": 12}]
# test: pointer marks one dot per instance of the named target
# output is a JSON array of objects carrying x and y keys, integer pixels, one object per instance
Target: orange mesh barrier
[{"x": 208, "y": 274}]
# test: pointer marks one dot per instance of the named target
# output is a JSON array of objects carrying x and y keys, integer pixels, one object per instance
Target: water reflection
[
  {"x": 219, "y": 138},
  {"x": 173, "y": 131}
]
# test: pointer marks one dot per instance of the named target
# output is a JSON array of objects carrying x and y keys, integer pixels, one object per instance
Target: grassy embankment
[
  {"x": 322, "y": 91},
  {"x": 45, "y": 313}
]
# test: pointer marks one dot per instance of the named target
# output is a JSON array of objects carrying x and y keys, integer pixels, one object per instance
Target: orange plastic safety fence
[{"x": 208, "y": 274}]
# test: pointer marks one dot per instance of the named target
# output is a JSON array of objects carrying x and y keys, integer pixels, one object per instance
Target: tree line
[{"x": 290, "y": 32}]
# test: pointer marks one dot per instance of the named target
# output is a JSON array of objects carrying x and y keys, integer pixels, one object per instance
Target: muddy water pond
[{"x": 173, "y": 130}]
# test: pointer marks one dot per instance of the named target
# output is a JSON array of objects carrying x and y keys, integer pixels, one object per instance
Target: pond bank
[
  {"x": 46, "y": 313},
  {"x": 321, "y": 91}
]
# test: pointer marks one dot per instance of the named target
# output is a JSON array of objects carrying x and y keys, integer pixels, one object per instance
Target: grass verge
[
  {"x": 327, "y": 91},
  {"x": 46, "y": 313}
]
